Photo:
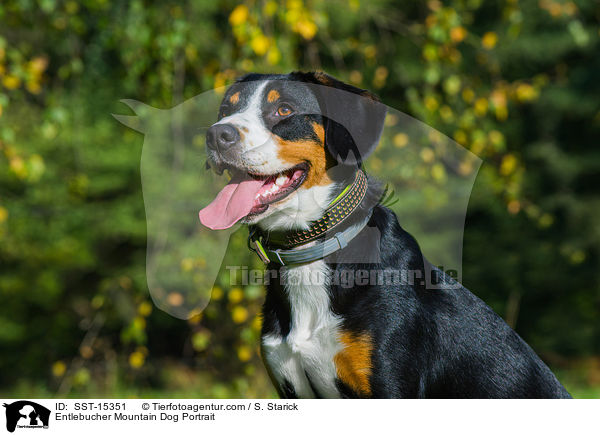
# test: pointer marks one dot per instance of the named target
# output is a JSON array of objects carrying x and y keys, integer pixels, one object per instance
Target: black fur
[
  {"x": 442, "y": 343},
  {"x": 427, "y": 343}
]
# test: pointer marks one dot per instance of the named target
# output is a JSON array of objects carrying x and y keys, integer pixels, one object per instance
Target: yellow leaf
[
  {"x": 256, "y": 323},
  {"x": 390, "y": 120},
  {"x": 139, "y": 323},
  {"x": 501, "y": 113},
  {"x": 489, "y": 40},
  {"x": 380, "y": 77},
  {"x": 3, "y": 214},
  {"x": 460, "y": 137},
  {"x": 438, "y": 173},
  {"x": 244, "y": 353},
  {"x": 400, "y": 140},
  {"x": 136, "y": 359},
  {"x": 33, "y": 87},
  {"x": 274, "y": 56},
  {"x": 260, "y": 44},
  {"x": 525, "y": 92},
  {"x": 175, "y": 299},
  {"x": 430, "y": 52},
  {"x": 468, "y": 95},
  {"x": 239, "y": 15},
  {"x": 217, "y": 293},
  {"x": 200, "y": 340},
  {"x": 11, "y": 82},
  {"x": 446, "y": 113},
  {"x": 145, "y": 309},
  {"x": 513, "y": 206},
  {"x": 195, "y": 317},
  {"x": 431, "y": 103},
  {"x": 427, "y": 155},
  {"x": 187, "y": 264},
  {"x": 481, "y": 106},
  {"x": 219, "y": 83},
  {"x": 294, "y": 4},
  {"x": 236, "y": 295},
  {"x": 457, "y": 34},
  {"x": 508, "y": 165},
  {"x": 58, "y": 369},
  {"x": 355, "y": 77},
  {"x": 452, "y": 85},
  {"x": 306, "y": 28},
  {"x": 370, "y": 51},
  {"x": 17, "y": 166},
  {"x": 496, "y": 137},
  {"x": 376, "y": 164},
  {"x": 38, "y": 64},
  {"x": 270, "y": 8},
  {"x": 86, "y": 352},
  {"x": 465, "y": 168},
  {"x": 239, "y": 314}
]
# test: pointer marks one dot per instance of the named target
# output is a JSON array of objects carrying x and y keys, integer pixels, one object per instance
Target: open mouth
[
  {"x": 250, "y": 194},
  {"x": 276, "y": 187}
]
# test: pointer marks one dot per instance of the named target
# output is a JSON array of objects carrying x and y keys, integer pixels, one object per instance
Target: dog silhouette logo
[{"x": 26, "y": 414}]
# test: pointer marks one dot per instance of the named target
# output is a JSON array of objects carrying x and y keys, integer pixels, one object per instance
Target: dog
[{"x": 294, "y": 146}]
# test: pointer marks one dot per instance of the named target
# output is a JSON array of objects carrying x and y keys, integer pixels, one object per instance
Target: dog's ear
[{"x": 353, "y": 118}]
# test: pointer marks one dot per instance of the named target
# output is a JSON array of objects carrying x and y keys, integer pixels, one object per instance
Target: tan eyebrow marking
[
  {"x": 273, "y": 95},
  {"x": 234, "y": 98}
]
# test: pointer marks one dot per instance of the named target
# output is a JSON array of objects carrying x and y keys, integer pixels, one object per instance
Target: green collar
[{"x": 336, "y": 213}]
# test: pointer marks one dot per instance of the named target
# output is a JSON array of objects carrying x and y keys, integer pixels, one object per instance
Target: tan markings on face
[
  {"x": 273, "y": 95},
  {"x": 353, "y": 363},
  {"x": 308, "y": 150},
  {"x": 235, "y": 98}
]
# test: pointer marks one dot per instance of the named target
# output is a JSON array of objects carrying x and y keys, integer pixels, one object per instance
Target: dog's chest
[{"x": 304, "y": 358}]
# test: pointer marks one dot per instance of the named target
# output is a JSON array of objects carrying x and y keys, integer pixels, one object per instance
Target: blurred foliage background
[{"x": 515, "y": 82}]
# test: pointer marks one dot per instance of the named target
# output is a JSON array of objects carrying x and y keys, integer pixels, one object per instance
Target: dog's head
[{"x": 289, "y": 142}]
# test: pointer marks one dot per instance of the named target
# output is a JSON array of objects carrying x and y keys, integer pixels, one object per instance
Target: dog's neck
[
  {"x": 332, "y": 220},
  {"x": 308, "y": 205}
]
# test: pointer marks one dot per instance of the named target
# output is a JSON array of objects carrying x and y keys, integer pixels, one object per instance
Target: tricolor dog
[{"x": 293, "y": 145}]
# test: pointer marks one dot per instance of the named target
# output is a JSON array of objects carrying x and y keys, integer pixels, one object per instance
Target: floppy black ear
[{"x": 353, "y": 118}]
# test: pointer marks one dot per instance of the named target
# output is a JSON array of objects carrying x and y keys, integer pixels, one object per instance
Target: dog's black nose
[{"x": 222, "y": 136}]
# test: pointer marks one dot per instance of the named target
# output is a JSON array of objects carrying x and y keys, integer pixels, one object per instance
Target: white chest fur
[{"x": 310, "y": 346}]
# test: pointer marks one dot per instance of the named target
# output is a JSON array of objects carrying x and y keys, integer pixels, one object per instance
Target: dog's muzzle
[{"x": 221, "y": 137}]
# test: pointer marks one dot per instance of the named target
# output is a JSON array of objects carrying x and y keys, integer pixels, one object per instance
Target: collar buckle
[{"x": 255, "y": 245}]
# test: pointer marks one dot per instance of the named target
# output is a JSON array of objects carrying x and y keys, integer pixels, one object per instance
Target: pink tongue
[{"x": 232, "y": 203}]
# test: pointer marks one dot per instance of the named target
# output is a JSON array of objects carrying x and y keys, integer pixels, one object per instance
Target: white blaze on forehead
[{"x": 258, "y": 150}]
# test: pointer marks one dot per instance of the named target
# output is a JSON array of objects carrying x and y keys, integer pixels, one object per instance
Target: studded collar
[{"x": 337, "y": 212}]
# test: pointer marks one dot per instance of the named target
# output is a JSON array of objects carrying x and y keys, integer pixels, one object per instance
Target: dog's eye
[{"x": 284, "y": 110}]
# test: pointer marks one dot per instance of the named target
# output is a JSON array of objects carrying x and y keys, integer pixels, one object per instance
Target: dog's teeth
[{"x": 281, "y": 180}]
